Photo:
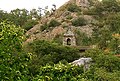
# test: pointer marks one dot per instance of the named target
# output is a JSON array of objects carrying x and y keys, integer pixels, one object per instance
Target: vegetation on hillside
[
  {"x": 73, "y": 8},
  {"x": 79, "y": 22},
  {"x": 21, "y": 17},
  {"x": 52, "y": 24},
  {"x": 42, "y": 60}
]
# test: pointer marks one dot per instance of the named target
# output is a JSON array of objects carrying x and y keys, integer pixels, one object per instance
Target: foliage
[
  {"x": 106, "y": 6},
  {"x": 29, "y": 24},
  {"x": 58, "y": 39},
  {"x": 59, "y": 72},
  {"x": 44, "y": 27},
  {"x": 18, "y": 16},
  {"x": 45, "y": 52},
  {"x": 3, "y": 15},
  {"x": 69, "y": 17},
  {"x": 114, "y": 45},
  {"x": 13, "y": 60},
  {"x": 21, "y": 17},
  {"x": 80, "y": 21},
  {"x": 53, "y": 23},
  {"x": 107, "y": 61},
  {"x": 107, "y": 13},
  {"x": 104, "y": 68},
  {"x": 113, "y": 21},
  {"x": 42, "y": 48},
  {"x": 100, "y": 74},
  {"x": 101, "y": 36},
  {"x": 43, "y": 61},
  {"x": 104, "y": 32},
  {"x": 82, "y": 39},
  {"x": 73, "y": 8},
  {"x": 111, "y": 5}
]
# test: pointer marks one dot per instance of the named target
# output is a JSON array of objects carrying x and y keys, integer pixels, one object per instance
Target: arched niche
[{"x": 68, "y": 41}]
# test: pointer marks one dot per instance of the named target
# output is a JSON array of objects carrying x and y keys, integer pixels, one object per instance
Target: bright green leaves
[
  {"x": 11, "y": 37},
  {"x": 12, "y": 57},
  {"x": 59, "y": 72}
]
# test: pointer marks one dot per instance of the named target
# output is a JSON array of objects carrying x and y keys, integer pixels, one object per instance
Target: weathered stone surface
[
  {"x": 69, "y": 38},
  {"x": 82, "y": 3}
]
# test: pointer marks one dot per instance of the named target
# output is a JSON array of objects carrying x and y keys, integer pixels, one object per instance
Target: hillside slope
[{"x": 65, "y": 17}]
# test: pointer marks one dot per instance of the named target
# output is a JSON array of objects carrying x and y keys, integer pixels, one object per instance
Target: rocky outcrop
[{"x": 63, "y": 16}]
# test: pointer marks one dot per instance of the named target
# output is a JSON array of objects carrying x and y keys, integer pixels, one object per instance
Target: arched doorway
[{"x": 68, "y": 41}]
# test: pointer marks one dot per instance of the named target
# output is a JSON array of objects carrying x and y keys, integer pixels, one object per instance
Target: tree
[
  {"x": 60, "y": 72},
  {"x": 113, "y": 21},
  {"x": 102, "y": 60},
  {"x": 13, "y": 60},
  {"x": 34, "y": 14},
  {"x": 105, "y": 67},
  {"x": 18, "y": 16},
  {"x": 111, "y": 5},
  {"x": 45, "y": 52},
  {"x": 3, "y": 15},
  {"x": 29, "y": 24},
  {"x": 24, "y": 19}
]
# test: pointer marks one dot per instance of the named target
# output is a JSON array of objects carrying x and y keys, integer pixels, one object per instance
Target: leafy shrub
[
  {"x": 73, "y": 8},
  {"x": 79, "y": 22},
  {"x": 53, "y": 23},
  {"x": 29, "y": 24},
  {"x": 13, "y": 60},
  {"x": 60, "y": 72},
  {"x": 67, "y": 72},
  {"x": 69, "y": 17},
  {"x": 58, "y": 39},
  {"x": 44, "y": 27},
  {"x": 42, "y": 47},
  {"x": 101, "y": 60},
  {"x": 45, "y": 52},
  {"x": 82, "y": 39}
]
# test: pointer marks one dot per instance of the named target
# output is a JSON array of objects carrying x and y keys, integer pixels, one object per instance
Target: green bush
[
  {"x": 44, "y": 27},
  {"x": 13, "y": 60},
  {"x": 79, "y": 22},
  {"x": 42, "y": 47},
  {"x": 105, "y": 66},
  {"x": 59, "y": 72},
  {"x": 53, "y": 23},
  {"x": 82, "y": 39},
  {"x": 97, "y": 72},
  {"x": 102, "y": 60},
  {"x": 73, "y": 8},
  {"x": 45, "y": 52},
  {"x": 58, "y": 39},
  {"x": 29, "y": 24},
  {"x": 69, "y": 17}
]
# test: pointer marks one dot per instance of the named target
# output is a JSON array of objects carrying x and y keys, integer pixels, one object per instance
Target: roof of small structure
[{"x": 69, "y": 33}]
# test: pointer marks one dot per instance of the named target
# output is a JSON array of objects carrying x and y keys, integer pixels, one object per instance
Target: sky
[{"x": 8, "y": 5}]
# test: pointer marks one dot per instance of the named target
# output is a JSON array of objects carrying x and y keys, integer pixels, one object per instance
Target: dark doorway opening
[{"x": 68, "y": 41}]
